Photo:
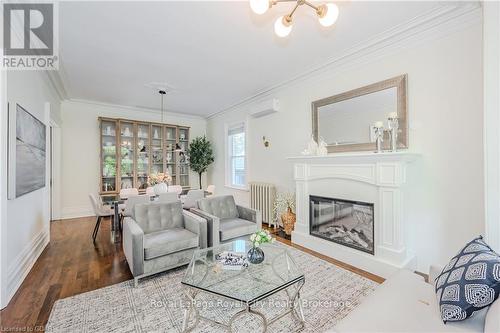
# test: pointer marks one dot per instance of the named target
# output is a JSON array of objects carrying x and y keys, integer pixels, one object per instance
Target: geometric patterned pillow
[{"x": 470, "y": 281}]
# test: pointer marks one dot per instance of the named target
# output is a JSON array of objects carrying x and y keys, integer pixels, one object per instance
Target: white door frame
[
  {"x": 55, "y": 169},
  {"x": 3, "y": 181}
]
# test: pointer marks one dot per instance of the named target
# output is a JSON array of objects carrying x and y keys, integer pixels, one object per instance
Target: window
[{"x": 236, "y": 150}]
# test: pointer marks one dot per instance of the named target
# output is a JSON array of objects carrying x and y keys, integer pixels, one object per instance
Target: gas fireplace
[{"x": 345, "y": 222}]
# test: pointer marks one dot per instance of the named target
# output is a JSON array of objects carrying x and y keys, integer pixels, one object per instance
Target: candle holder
[
  {"x": 393, "y": 129},
  {"x": 379, "y": 138}
]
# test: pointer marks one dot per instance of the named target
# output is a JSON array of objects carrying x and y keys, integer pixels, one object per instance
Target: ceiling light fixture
[
  {"x": 327, "y": 14},
  {"x": 162, "y": 93}
]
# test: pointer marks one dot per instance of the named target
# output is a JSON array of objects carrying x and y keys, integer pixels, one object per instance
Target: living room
[{"x": 359, "y": 139}]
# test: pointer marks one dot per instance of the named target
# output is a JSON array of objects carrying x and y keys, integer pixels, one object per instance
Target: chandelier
[{"x": 327, "y": 14}]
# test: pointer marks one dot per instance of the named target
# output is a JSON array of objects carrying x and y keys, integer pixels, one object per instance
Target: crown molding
[
  {"x": 431, "y": 25},
  {"x": 134, "y": 108},
  {"x": 54, "y": 80}
]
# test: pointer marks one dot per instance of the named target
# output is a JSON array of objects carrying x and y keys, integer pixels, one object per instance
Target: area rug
[{"x": 157, "y": 304}]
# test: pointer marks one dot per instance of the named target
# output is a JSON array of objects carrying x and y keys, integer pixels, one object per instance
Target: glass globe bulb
[
  {"x": 259, "y": 6},
  {"x": 330, "y": 15},
  {"x": 282, "y": 27}
]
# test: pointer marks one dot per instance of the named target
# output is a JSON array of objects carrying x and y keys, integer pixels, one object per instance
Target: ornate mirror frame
[{"x": 398, "y": 82}]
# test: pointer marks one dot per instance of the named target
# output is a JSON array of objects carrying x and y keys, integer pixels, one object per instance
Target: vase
[
  {"x": 160, "y": 188},
  {"x": 288, "y": 219},
  {"x": 255, "y": 255}
]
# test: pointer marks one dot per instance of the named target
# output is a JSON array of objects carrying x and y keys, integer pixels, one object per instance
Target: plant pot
[
  {"x": 255, "y": 255},
  {"x": 160, "y": 188},
  {"x": 288, "y": 219}
]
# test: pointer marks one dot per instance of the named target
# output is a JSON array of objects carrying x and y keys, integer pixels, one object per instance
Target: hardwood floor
[{"x": 71, "y": 264}]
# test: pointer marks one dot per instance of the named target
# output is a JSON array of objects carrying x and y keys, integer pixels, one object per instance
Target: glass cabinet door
[
  {"x": 156, "y": 149},
  {"x": 142, "y": 156},
  {"x": 108, "y": 155},
  {"x": 126, "y": 155},
  {"x": 170, "y": 158},
  {"x": 182, "y": 156}
]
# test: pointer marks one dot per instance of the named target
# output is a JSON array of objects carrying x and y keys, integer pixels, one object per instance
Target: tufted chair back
[
  {"x": 223, "y": 207},
  {"x": 153, "y": 217}
]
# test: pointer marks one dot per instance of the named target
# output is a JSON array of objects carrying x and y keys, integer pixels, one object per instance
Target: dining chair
[
  {"x": 189, "y": 200},
  {"x": 127, "y": 192},
  {"x": 100, "y": 211},
  {"x": 211, "y": 190},
  {"x": 150, "y": 191},
  {"x": 130, "y": 204},
  {"x": 175, "y": 188},
  {"x": 168, "y": 197}
]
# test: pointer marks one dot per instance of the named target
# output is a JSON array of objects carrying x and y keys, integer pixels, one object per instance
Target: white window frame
[{"x": 228, "y": 175}]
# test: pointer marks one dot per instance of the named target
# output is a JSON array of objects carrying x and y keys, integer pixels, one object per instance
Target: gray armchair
[
  {"x": 227, "y": 221},
  {"x": 161, "y": 236}
]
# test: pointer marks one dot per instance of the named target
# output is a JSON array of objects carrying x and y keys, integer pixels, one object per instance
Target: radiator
[{"x": 262, "y": 197}]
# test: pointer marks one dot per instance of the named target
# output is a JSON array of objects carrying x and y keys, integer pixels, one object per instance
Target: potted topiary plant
[{"x": 200, "y": 155}]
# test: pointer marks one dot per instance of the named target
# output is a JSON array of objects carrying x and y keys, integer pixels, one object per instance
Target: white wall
[
  {"x": 80, "y": 149},
  {"x": 491, "y": 31},
  {"x": 25, "y": 220},
  {"x": 445, "y": 114}
]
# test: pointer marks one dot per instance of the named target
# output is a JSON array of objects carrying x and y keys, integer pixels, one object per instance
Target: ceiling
[{"x": 212, "y": 54}]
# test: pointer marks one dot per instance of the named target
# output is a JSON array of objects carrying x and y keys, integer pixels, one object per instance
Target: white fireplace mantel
[{"x": 378, "y": 178}]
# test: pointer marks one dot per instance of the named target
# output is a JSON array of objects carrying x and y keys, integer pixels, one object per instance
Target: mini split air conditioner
[{"x": 264, "y": 108}]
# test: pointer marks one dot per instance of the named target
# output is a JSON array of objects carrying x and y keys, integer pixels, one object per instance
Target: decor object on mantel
[
  {"x": 312, "y": 148},
  {"x": 327, "y": 14},
  {"x": 393, "y": 128},
  {"x": 379, "y": 135},
  {"x": 316, "y": 149},
  {"x": 255, "y": 255},
  {"x": 322, "y": 149},
  {"x": 200, "y": 155},
  {"x": 159, "y": 182},
  {"x": 283, "y": 208}
]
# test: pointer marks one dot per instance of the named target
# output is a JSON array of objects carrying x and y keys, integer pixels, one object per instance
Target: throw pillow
[{"x": 470, "y": 281}]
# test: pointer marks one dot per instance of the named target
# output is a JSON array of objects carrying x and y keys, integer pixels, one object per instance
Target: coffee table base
[{"x": 294, "y": 308}]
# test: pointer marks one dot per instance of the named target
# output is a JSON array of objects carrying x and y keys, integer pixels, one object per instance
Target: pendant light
[{"x": 162, "y": 93}]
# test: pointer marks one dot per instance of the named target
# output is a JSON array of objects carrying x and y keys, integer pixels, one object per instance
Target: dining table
[{"x": 115, "y": 201}]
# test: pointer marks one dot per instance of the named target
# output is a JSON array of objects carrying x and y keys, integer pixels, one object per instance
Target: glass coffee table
[{"x": 246, "y": 287}]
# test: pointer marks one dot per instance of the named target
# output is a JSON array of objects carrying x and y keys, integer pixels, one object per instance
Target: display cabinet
[
  {"x": 109, "y": 168},
  {"x": 144, "y": 148}
]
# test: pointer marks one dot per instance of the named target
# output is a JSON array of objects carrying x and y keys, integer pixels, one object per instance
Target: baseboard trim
[
  {"x": 22, "y": 265},
  {"x": 75, "y": 212}
]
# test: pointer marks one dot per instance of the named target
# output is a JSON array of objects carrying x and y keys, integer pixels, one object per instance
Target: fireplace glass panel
[{"x": 349, "y": 223}]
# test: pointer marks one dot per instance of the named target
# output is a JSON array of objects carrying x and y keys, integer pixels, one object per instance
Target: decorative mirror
[{"x": 347, "y": 121}]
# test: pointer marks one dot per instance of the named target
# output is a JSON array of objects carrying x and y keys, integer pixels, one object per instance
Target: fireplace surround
[{"x": 378, "y": 179}]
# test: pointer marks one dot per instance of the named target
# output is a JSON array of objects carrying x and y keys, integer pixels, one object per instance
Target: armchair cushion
[
  {"x": 236, "y": 227},
  {"x": 153, "y": 217},
  {"x": 160, "y": 243},
  {"x": 223, "y": 207}
]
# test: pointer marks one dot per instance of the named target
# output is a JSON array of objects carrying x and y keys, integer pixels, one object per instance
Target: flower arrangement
[
  {"x": 261, "y": 237},
  {"x": 285, "y": 201},
  {"x": 159, "y": 178}
]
